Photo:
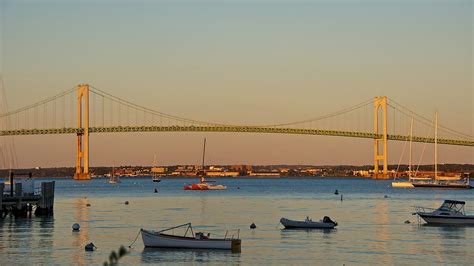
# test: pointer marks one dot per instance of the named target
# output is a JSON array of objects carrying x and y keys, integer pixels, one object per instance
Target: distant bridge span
[
  {"x": 237, "y": 129},
  {"x": 93, "y": 111}
]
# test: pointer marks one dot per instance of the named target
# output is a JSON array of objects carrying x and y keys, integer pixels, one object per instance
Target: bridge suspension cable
[
  {"x": 113, "y": 114},
  {"x": 147, "y": 110},
  {"x": 334, "y": 114},
  {"x": 428, "y": 122}
]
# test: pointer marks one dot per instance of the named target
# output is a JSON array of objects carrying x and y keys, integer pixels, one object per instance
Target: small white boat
[
  {"x": 409, "y": 183},
  {"x": 402, "y": 184},
  {"x": 154, "y": 170},
  {"x": 325, "y": 223},
  {"x": 451, "y": 212},
  {"x": 197, "y": 241},
  {"x": 113, "y": 179}
]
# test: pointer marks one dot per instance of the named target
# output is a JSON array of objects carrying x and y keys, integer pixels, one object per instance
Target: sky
[{"x": 240, "y": 62}]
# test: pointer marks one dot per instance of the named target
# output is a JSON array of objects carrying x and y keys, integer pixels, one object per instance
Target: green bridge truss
[{"x": 223, "y": 128}]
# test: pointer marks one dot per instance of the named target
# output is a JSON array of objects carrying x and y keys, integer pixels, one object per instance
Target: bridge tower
[
  {"x": 380, "y": 143},
  {"x": 82, "y": 149}
]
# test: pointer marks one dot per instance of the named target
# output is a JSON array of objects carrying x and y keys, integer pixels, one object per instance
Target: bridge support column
[
  {"x": 82, "y": 149},
  {"x": 380, "y": 143}
]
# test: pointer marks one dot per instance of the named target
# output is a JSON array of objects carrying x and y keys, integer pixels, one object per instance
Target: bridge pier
[
  {"x": 380, "y": 102},
  {"x": 82, "y": 148}
]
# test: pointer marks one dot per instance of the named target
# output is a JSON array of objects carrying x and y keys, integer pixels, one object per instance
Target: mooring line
[{"x": 130, "y": 246}]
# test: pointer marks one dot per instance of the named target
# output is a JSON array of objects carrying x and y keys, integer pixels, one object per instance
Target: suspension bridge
[{"x": 85, "y": 110}]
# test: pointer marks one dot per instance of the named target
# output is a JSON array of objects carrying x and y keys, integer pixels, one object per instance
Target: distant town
[{"x": 247, "y": 171}]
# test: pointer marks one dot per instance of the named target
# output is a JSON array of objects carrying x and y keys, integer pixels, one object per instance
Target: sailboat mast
[
  {"x": 410, "y": 156},
  {"x": 436, "y": 145},
  {"x": 203, "y": 156}
]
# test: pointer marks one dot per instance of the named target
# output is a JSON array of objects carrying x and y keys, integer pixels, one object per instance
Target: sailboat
[
  {"x": 203, "y": 185},
  {"x": 449, "y": 182},
  {"x": 114, "y": 179},
  {"x": 407, "y": 184},
  {"x": 155, "y": 177}
]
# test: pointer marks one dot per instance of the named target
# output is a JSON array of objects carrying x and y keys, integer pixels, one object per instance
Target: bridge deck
[{"x": 225, "y": 128}]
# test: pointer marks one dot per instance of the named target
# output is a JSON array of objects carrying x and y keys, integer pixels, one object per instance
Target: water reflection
[
  {"x": 80, "y": 239},
  {"x": 33, "y": 236},
  {"x": 382, "y": 232},
  {"x": 166, "y": 255},
  {"x": 370, "y": 231},
  {"x": 289, "y": 232}
]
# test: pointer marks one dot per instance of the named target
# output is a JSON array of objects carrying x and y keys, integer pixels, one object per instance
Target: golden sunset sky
[{"x": 240, "y": 62}]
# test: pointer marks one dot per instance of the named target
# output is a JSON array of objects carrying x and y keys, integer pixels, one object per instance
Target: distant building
[
  {"x": 159, "y": 170},
  {"x": 363, "y": 173},
  {"x": 264, "y": 173},
  {"x": 222, "y": 173}
]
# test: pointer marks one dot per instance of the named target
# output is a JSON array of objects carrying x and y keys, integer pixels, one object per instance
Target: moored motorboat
[
  {"x": 325, "y": 223},
  {"x": 451, "y": 212},
  {"x": 198, "y": 240}
]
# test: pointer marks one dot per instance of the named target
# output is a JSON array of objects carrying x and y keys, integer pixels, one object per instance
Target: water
[{"x": 371, "y": 227}]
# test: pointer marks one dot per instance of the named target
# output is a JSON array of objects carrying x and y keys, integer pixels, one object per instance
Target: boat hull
[
  {"x": 451, "y": 220},
  {"x": 291, "y": 224},
  {"x": 160, "y": 240},
  {"x": 402, "y": 184},
  {"x": 447, "y": 186},
  {"x": 204, "y": 186}
]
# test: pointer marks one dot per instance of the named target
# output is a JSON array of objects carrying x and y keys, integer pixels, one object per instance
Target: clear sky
[{"x": 245, "y": 62}]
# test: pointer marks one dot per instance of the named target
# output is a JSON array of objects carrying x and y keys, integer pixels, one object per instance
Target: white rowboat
[{"x": 199, "y": 241}]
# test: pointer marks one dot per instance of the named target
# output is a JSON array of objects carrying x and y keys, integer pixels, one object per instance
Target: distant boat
[
  {"x": 325, "y": 223},
  {"x": 407, "y": 184},
  {"x": 155, "y": 177},
  {"x": 203, "y": 185},
  {"x": 448, "y": 182},
  {"x": 197, "y": 240},
  {"x": 451, "y": 212},
  {"x": 114, "y": 179}
]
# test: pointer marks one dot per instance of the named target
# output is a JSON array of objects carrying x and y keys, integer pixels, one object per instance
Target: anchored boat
[
  {"x": 325, "y": 223},
  {"x": 446, "y": 182},
  {"x": 203, "y": 185},
  {"x": 113, "y": 178},
  {"x": 451, "y": 212},
  {"x": 197, "y": 240},
  {"x": 406, "y": 184},
  {"x": 154, "y": 170}
]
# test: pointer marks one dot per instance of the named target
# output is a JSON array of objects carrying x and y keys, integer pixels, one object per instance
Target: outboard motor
[{"x": 326, "y": 219}]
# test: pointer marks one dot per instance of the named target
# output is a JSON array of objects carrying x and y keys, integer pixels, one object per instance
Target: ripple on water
[{"x": 371, "y": 228}]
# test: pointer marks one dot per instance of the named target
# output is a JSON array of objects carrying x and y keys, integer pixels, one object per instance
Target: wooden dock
[{"x": 22, "y": 204}]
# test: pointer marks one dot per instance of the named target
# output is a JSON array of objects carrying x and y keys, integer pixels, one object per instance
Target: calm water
[{"x": 371, "y": 227}]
